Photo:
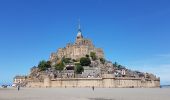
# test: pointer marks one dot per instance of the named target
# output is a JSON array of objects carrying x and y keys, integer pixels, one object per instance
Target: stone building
[
  {"x": 80, "y": 48},
  {"x": 19, "y": 79}
]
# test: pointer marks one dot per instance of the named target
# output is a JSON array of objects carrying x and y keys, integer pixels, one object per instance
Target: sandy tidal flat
[{"x": 85, "y": 94}]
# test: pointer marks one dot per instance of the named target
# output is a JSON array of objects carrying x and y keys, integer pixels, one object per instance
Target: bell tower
[
  {"x": 79, "y": 34},
  {"x": 79, "y": 37}
]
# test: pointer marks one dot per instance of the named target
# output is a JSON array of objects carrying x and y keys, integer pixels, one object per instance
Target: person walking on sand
[
  {"x": 93, "y": 88},
  {"x": 18, "y": 87}
]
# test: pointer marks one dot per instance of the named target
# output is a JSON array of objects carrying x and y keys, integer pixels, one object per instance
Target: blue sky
[{"x": 135, "y": 33}]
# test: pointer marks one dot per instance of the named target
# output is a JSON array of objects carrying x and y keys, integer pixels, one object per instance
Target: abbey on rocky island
[
  {"x": 80, "y": 48},
  {"x": 81, "y": 64}
]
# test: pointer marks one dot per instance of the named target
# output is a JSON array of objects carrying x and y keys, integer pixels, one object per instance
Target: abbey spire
[{"x": 79, "y": 34}]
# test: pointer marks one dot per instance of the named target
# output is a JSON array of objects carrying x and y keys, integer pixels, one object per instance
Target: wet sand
[{"x": 85, "y": 94}]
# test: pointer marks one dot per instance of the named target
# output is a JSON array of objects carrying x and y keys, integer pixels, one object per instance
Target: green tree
[
  {"x": 74, "y": 60},
  {"x": 60, "y": 66},
  {"x": 87, "y": 56},
  {"x": 115, "y": 64},
  {"x": 118, "y": 65},
  {"x": 102, "y": 60},
  {"x": 48, "y": 63},
  {"x": 84, "y": 61},
  {"x": 44, "y": 65},
  {"x": 93, "y": 55},
  {"x": 66, "y": 60},
  {"x": 79, "y": 69}
]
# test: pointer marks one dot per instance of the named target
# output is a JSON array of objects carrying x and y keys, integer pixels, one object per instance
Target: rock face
[{"x": 80, "y": 48}]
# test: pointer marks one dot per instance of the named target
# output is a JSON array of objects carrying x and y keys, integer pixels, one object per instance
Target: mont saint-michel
[{"x": 81, "y": 64}]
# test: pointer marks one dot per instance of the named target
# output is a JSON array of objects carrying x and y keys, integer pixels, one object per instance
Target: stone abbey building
[{"x": 80, "y": 48}]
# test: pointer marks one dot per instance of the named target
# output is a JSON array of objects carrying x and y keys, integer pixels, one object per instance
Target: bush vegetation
[
  {"x": 79, "y": 69},
  {"x": 60, "y": 66},
  {"x": 93, "y": 55},
  {"x": 44, "y": 65},
  {"x": 84, "y": 61}
]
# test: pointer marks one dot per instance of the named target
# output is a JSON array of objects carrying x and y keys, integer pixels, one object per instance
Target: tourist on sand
[
  {"x": 18, "y": 87},
  {"x": 93, "y": 88}
]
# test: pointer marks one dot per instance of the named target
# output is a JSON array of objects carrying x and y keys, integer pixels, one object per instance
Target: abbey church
[{"x": 80, "y": 48}]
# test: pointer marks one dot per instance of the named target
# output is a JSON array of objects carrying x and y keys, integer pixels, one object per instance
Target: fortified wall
[{"x": 97, "y": 82}]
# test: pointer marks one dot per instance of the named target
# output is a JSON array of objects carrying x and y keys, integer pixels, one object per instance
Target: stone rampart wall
[
  {"x": 96, "y": 82},
  {"x": 35, "y": 84}
]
